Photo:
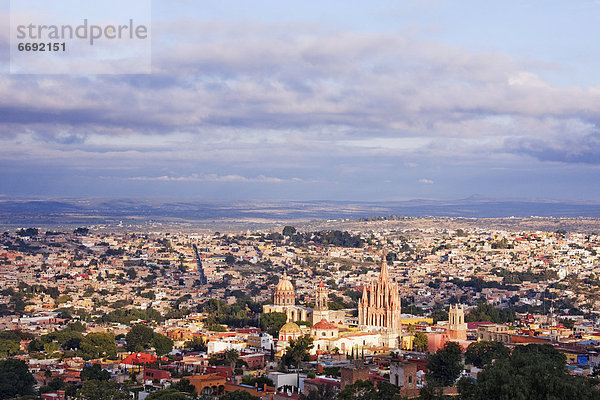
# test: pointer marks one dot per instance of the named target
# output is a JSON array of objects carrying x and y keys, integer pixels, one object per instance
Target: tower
[
  {"x": 284, "y": 292},
  {"x": 285, "y": 302},
  {"x": 380, "y": 309},
  {"x": 321, "y": 310},
  {"x": 457, "y": 328}
]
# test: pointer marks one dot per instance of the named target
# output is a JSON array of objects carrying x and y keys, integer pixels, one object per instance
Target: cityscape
[
  {"x": 299, "y": 200},
  {"x": 291, "y": 314}
]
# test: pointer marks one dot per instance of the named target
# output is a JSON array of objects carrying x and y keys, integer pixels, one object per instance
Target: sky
[{"x": 305, "y": 100}]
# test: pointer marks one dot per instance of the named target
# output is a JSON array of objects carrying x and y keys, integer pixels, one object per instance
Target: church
[
  {"x": 379, "y": 318},
  {"x": 380, "y": 309},
  {"x": 285, "y": 302}
]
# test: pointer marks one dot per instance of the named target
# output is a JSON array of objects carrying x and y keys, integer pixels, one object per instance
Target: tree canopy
[
  {"x": 532, "y": 372},
  {"x": 162, "y": 344},
  {"x": 139, "y": 337},
  {"x": 420, "y": 341},
  {"x": 238, "y": 395},
  {"x": 482, "y": 353},
  {"x": 102, "y": 390},
  {"x": 94, "y": 372},
  {"x": 15, "y": 378},
  {"x": 445, "y": 365},
  {"x": 272, "y": 322},
  {"x": 169, "y": 394},
  {"x": 366, "y": 390},
  {"x": 98, "y": 344},
  {"x": 487, "y": 312}
]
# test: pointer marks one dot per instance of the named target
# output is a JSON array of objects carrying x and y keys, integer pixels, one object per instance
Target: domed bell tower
[{"x": 321, "y": 310}]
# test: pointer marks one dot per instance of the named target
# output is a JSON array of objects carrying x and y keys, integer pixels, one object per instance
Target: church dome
[
  {"x": 284, "y": 284},
  {"x": 290, "y": 327},
  {"x": 284, "y": 292},
  {"x": 324, "y": 324}
]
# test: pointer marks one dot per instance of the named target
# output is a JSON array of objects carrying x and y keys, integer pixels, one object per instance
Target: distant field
[{"x": 236, "y": 215}]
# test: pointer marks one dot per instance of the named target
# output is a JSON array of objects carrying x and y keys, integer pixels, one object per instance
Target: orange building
[{"x": 208, "y": 384}]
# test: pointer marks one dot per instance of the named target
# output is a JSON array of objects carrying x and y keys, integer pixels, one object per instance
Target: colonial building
[
  {"x": 325, "y": 336},
  {"x": 289, "y": 331},
  {"x": 379, "y": 309},
  {"x": 285, "y": 302},
  {"x": 457, "y": 327},
  {"x": 321, "y": 310},
  {"x": 284, "y": 292},
  {"x": 404, "y": 375}
]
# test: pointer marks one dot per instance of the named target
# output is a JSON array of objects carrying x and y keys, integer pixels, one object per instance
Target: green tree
[
  {"x": 184, "y": 385},
  {"x": 139, "y": 337},
  {"x": 196, "y": 344},
  {"x": 323, "y": 392},
  {"x": 533, "y": 372},
  {"x": 15, "y": 378},
  {"x": 366, "y": 390},
  {"x": 51, "y": 347},
  {"x": 81, "y": 231},
  {"x": 231, "y": 356},
  {"x": 420, "y": 341},
  {"x": 16, "y": 335},
  {"x": 76, "y": 327},
  {"x": 63, "y": 298},
  {"x": 482, "y": 353},
  {"x": 102, "y": 390},
  {"x": 162, "y": 344},
  {"x": 131, "y": 274},
  {"x": 35, "y": 345},
  {"x": 94, "y": 372},
  {"x": 9, "y": 347},
  {"x": 288, "y": 230},
  {"x": 272, "y": 322},
  {"x": 68, "y": 339},
  {"x": 98, "y": 344},
  {"x": 391, "y": 257},
  {"x": 238, "y": 395},
  {"x": 297, "y": 350},
  {"x": 229, "y": 259},
  {"x": 445, "y": 365},
  {"x": 169, "y": 394},
  {"x": 27, "y": 232},
  {"x": 483, "y": 312},
  {"x": 439, "y": 314}
]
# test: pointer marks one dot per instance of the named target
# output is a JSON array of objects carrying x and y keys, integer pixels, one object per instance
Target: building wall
[
  {"x": 353, "y": 374},
  {"x": 403, "y": 374}
]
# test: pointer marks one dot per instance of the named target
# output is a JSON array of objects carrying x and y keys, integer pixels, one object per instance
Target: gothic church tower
[{"x": 380, "y": 309}]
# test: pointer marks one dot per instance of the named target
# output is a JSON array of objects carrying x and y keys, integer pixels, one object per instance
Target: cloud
[
  {"x": 582, "y": 150},
  {"x": 293, "y": 76},
  {"x": 276, "y": 104},
  {"x": 215, "y": 178}
]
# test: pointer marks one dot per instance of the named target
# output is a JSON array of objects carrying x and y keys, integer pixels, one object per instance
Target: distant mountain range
[{"x": 52, "y": 212}]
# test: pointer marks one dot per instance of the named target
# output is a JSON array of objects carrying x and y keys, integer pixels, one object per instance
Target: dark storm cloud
[{"x": 584, "y": 150}]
